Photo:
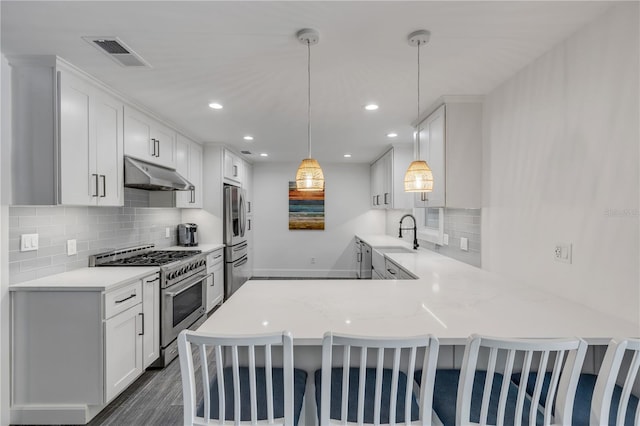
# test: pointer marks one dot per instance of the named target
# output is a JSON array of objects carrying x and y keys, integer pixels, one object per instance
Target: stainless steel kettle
[{"x": 188, "y": 234}]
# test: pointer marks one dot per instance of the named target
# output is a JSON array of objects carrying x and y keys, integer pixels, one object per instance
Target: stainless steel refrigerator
[{"x": 236, "y": 270}]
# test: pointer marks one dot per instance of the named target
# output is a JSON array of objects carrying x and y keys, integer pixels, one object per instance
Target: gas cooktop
[{"x": 153, "y": 258}]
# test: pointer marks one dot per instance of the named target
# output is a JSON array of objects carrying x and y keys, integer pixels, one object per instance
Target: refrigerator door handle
[{"x": 241, "y": 213}]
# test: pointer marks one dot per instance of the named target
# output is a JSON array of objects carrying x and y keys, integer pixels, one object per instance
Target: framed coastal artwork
[{"x": 306, "y": 209}]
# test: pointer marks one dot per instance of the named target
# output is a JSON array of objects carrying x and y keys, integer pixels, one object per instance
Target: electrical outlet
[
  {"x": 167, "y": 232},
  {"x": 313, "y": 260},
  {"x": 464, "y": 244},
  {"x": 445, "y": 239},
  {"x": 71, "y": 247},
  {"x": 28, "y": 242},
  {"x": 562, "y": 252}
]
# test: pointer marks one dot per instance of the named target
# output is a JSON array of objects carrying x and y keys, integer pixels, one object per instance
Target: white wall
[
  {"x": 561, "y": 163},
  {"x": 5, "y": 156},
  {"x": 281, "y": 252}
]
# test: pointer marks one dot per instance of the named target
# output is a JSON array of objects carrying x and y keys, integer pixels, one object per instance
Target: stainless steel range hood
[{"x": 142, "y": 175}]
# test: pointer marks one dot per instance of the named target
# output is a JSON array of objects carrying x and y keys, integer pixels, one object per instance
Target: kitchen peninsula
[{"x": 450, "y": 299}]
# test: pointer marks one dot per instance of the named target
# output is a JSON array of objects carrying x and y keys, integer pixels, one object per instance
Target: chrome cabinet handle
[
  {"x": 241, "y": 262},
  {"x": 104, "y": 186},
  {"x": 158, "y": 142},
  {"x": 391, "y": 271},
  {"x": 213, "y": 279},
  {"x": 249, "y": 224},
  {"x": 423, "y": 196},
  {"x": 235, "y": 171},
  {"x": 153, "y": 280},
  {"x": 193, "y": 196},
  {"x": 96, "y": 193},
  {"x": 377, "y": 200},
  {"x": 248, "y": 206},
  {"x": 126, "y": 298},
  {"x": 153, "y": 140},
  {"x": 386, "y": 198}
]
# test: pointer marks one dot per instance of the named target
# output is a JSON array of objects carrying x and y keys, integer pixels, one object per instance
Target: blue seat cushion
[
  {"x": 299, "y": 383},
  {"x": 446, "y": 391},
  {"x": 584, "y": 394},
  {"x": 369, "y": 395}
]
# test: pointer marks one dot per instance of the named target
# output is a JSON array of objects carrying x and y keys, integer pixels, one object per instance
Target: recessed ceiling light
[
  {"x": 264, "y": 154},
  {"x": 248, "y": 138},
  {"x": 392, "y": 135},
  {"x": 347, "y": 156},
  {"x": 371, "y": 107},
  {"x": 215, "y": 105}
]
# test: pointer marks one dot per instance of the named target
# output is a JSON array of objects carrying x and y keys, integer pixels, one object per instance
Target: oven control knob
[
  {"x": 202, "y": 262},
  {"x": 172, "y": 275}
]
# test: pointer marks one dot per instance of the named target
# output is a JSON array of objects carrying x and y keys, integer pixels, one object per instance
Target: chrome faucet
[{"x": 415, "y": 233}]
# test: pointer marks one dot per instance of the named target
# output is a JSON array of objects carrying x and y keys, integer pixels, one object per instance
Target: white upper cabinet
[
  {"x": 58, "y": 109},
  {"x": 232, "y": 168},
  {"x": 387, "y": 179},
  {"x": 90, "y": 145},
  {"x": 451, "y": 143},
  {"x": 148, "y": 140},
  {"x": 189, "y": 165}
]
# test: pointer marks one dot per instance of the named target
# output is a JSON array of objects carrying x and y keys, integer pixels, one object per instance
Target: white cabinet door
[
  {"x": 151, "y": 319},
  {"x": 78, "y": 176},
  {"x": 148, "y": 140},
  {"x": 386, "y": 174},
  {"x": 215, "y": 279},
  {"x": 189, "y": 165},
  {"x": 232, "y": 167},
  {"x": 123, "y": 350},
  {"x": 91, "y": 144},
  {"x": 182, "y": 166},
  {"x": 432, "y": 150},
  {"x": 195, "y": 175},
  {"x": 107, "y": 125}
]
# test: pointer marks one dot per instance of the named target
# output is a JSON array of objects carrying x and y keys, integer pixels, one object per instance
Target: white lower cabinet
[
  {"x": 74, "y": 350},
  {"x": 123, "y": 350},
  {"x": 215, "y": 278}
]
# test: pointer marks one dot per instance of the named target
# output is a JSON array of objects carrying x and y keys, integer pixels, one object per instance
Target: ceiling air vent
[
  {"x": 245, "y": 152},
  {"x": 115, "y": 48}
]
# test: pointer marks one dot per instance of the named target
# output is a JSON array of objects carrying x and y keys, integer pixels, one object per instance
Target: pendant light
[
  {"x": 309, "y": 176},
  {"x": 418, "y": 177}
]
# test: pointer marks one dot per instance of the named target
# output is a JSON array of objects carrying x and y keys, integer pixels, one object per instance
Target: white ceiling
[{"x": 245, "y": 56}]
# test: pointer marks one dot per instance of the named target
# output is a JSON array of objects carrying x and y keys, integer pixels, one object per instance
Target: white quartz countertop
[
  {"x": 204, "y": 248},
  {"x": 87, "y": 279},
  {"x": 450, "y": 299}
]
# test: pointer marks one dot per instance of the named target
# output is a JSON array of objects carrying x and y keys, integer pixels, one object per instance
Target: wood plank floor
[{"x": 154, "y": 399}]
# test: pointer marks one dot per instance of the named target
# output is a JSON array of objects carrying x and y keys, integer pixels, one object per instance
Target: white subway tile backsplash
[{"x": 96, "y": 229}]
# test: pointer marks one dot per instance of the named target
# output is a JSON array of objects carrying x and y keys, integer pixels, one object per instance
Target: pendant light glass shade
[
  {"x": 309, "y": 176},
  {"x": 418, "y": 177}
]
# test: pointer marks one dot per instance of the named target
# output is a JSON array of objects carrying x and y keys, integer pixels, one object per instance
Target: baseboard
[
  {"x": 306, "y": 273},
  {"x": 53, "y": 414}
]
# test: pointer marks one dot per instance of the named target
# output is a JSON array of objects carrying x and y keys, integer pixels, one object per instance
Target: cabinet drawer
[
  {"x": 119, "y": 300},
  {"x": 213, "y": 259}
]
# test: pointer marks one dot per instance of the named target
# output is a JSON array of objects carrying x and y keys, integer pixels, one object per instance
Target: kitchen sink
[{"x": 394, "y": 249}]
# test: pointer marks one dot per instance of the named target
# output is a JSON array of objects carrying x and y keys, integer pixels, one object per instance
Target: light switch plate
[
  {"x": 464, "y": 244},
  {"x": 445, "y": 239},
  {"x": 71, "y": 247},
  {"x": 167, "y": 232},
  {"x": 28, "y": 242}
]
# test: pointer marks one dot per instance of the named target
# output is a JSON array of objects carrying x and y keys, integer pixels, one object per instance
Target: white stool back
[
  {"x": 249, "y": 345},
  {"x": 400, "y": 355},
  {"x": 563, "y": 357},
  {"x": 610, "y": 372}
]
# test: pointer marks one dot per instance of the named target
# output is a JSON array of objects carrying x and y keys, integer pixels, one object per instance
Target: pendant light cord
[
  {"x": 418, "y": 118},
  {"x": 309, "y": 97}
]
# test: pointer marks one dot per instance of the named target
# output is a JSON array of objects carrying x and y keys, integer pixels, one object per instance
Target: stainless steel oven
[{"x": 182, "y": 304}]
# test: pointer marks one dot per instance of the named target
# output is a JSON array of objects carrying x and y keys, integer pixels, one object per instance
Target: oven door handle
[{"x": 186, "y": 286}]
